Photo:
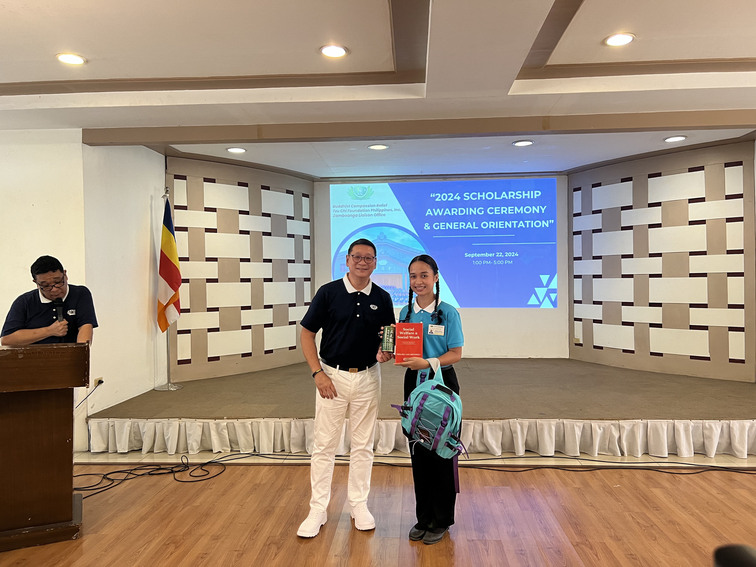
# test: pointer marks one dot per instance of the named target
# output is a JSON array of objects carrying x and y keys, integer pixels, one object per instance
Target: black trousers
[{"x": 433, "y": 476}]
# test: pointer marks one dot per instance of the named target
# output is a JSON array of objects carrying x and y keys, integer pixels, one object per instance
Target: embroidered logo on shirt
[
  {"x": 373, "y": 307},
  {"x": 71, "y": 312}
]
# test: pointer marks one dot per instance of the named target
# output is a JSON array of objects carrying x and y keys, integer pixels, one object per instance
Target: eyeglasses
[
  {"x": 49, "y": 287},
  {"x": 357, "y": 259}
]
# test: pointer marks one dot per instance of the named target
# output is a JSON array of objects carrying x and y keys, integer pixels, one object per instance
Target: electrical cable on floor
[
  {"x": 604, "y": 465},
  {"x": 109, "y": 480},
  {"x": 203, "y": 471}
]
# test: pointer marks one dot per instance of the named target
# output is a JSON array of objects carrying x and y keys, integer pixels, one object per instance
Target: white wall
[
  {"x": 41, "y": 212},
  {"x": 41, "y": 206},
  {"x": 489, "y": 333},
  {"x": 123, "y": 211}
]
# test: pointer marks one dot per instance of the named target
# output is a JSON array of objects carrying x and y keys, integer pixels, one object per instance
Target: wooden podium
[{"x": 37, "y": 502}]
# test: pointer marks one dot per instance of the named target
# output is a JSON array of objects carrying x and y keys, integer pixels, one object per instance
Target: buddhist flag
[{"x": 169, "y": 274}]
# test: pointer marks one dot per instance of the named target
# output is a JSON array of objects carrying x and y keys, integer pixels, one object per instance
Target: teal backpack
[{"x": 432, "y": 416}]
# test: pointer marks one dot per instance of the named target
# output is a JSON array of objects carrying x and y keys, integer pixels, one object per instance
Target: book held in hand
[
  {"x": 388, "y": 339},
  {"x": 408, "y": 341}
]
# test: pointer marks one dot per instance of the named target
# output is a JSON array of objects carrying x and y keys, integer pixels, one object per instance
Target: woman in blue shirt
[{"x": 434, "y": 477}]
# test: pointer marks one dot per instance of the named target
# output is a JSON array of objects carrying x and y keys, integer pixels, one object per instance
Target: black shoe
[
  {"x": 434, "y": 536},
  {"x": 416, "y": 533}
]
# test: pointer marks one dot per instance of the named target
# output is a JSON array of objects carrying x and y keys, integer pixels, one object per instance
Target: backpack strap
[
  {"x": 441, "y": 428},
  {"x": 446, "y": 390},
  {"x": 418, "y": 411},
  {"x": 422, "y": 376},
  {"x": 401, "y": 409},
  {"x": 432, "y": 373},
  {"x": 455, "y": 466}
]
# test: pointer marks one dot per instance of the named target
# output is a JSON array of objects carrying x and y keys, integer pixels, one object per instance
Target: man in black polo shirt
[
  {"x": 351, "y": 312},
  {"x": 56, "y": 312}
]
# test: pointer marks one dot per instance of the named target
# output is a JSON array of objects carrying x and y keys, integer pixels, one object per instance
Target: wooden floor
[{"x": 249, "y": 514}]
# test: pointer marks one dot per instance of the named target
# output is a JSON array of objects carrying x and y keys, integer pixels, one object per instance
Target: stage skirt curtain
[{"x": 546, "y": 437}]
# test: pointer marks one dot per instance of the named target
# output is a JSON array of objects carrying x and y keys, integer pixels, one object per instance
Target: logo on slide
[
  {"x": 360, "y": 192},
  {"x": 545, "y": 295}
]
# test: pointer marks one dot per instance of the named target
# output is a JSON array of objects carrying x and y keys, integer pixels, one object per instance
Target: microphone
[{"x": 58, "y": 303}]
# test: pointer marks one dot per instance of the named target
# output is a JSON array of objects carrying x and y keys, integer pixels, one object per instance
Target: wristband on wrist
[{"x": 314, "y": 373}]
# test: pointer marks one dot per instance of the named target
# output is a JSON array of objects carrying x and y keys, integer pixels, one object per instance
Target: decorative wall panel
[
  {"x": 663, "y": 263},
  {"x": 243, "y": 238}
]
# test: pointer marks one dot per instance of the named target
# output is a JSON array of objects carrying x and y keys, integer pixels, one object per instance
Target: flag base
[{"x": 168, "y": 387}]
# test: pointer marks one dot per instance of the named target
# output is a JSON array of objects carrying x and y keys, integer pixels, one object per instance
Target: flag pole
[{"x": 168, "y": 386}]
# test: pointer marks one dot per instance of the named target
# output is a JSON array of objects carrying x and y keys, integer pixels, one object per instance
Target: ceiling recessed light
[
  {"x": 673, "y": 139},
  {"x": 235, "y": 150},
  {"x": 522, "y": 143},
  {"x": 619, "y": 39},
  {"x": 71, "y": 59},
  {"x": 378, "y": 147},
  {"x": 334, "y": 51}
]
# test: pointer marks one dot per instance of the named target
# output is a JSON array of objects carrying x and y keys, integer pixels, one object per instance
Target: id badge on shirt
[{"x": 437, "y": 330}]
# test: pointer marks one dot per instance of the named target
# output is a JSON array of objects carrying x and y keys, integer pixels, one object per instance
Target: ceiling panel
[
  {"x": 666, "y": 31},
  {"x": 448, "y": 88},
  {"x": 460, "y": 156}
]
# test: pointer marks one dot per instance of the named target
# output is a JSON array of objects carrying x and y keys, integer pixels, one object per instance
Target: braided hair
[{"x": 437, "y": 313}]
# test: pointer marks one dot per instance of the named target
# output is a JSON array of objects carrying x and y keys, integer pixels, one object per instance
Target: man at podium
[{"x": 55, "y": 312}]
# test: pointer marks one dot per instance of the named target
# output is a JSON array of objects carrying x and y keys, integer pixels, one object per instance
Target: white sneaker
[
  {"x": 363, "y": 519},
  {"x": 311, "y": 526}
]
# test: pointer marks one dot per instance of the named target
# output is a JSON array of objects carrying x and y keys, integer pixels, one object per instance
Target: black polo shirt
[
  {"x": 30, "y": 312},
  {"x": 350, "y": 323}
]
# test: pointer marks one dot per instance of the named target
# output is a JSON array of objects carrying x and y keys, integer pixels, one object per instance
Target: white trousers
[{"x": 358, "y": 394}]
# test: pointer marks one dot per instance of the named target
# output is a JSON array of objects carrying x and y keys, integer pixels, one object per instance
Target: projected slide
[{"x": 494, "y": 239}]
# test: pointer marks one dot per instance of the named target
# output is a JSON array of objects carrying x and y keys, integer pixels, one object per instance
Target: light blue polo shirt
[{"x": 436, "y": 345}]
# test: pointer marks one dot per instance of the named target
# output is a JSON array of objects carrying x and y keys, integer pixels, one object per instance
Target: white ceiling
[
  {"x": 553, "y": 153},
  {"x": 447, "y": 85}
]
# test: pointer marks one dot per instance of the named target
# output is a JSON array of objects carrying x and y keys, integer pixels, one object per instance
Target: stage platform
[{"x": 545, "y": 406}]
